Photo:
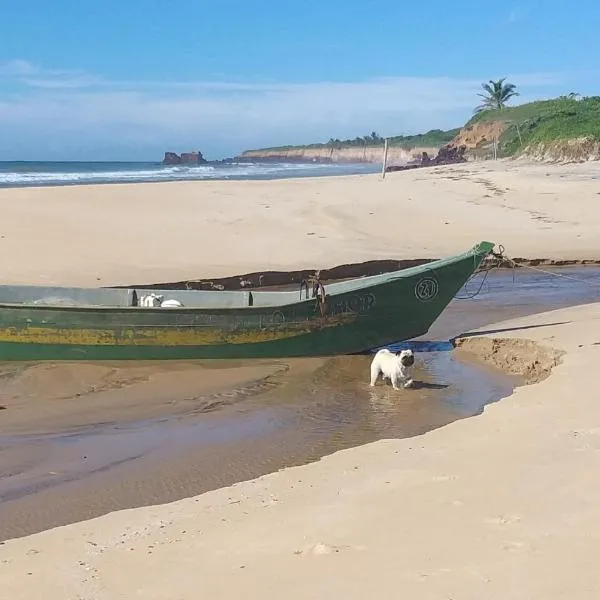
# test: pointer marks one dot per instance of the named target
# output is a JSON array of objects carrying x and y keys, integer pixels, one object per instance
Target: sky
[{"x": 127, "y": 80}]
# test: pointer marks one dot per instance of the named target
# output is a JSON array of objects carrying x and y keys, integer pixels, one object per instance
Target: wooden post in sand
[
  {"x": 495, "y": 148},
  {"x": 385, "y": 153},
  {"x": 519, "y": 133}
]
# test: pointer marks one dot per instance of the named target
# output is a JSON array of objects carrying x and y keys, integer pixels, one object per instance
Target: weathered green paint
[{"x": 378, "y": 311}]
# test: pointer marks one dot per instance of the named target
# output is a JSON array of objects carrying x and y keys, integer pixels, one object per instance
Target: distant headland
[{"x": 560, "y": 129}]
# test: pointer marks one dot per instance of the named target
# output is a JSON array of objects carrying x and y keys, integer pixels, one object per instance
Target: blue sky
[{"x": 126, "y": 80}]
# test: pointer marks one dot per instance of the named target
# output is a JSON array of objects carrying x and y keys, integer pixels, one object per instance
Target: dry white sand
[
  {"x": 143, "y": 233},
  {"x": 503, "y": 505}
]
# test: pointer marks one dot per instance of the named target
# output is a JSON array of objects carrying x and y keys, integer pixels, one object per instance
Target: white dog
[
  {"x": 151, "y": 300},
  {"x": 171, "y": 303},
  {"x": 157, "y": 300},
  {"x": 395, "y": 366}
]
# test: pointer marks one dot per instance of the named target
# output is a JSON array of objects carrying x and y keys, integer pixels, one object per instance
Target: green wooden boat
[{"x": 42, "y": 323}]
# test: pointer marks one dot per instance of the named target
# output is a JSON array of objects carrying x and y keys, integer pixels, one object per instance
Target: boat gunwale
[{"x": 362, "y": 283}]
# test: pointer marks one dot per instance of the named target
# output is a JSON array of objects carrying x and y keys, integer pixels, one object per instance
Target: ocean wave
[
  {"x": 56, "y": 174},
  {"x": 58, "y": 177}
]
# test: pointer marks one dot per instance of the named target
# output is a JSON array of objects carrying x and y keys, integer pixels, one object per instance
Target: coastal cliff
[
  {"x": 365, "y": 154},
  {"x": 565, "y": 129},
  {"x": 367, "y": 149},
  {"x": 574, "y": 150}
]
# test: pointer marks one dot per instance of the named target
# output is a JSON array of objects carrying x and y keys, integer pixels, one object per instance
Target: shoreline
[
  {"x": 124, "y": 173},
  {"x": 375, "y": 509},
  {"x": 199, "y": 180}
]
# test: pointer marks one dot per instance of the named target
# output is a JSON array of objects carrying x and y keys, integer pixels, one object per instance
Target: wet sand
[
  {"x": 68, "y": 474},
  {"x": 504, "y": 505},
  {"x": 81, "y": 440}
]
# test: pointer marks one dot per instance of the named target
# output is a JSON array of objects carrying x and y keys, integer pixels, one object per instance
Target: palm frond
[{"x": 496, "y": 94}]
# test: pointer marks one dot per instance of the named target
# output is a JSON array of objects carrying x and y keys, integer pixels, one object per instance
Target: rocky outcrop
[
  {"x": 186, "y": 158},
  {"x": 331, "y": 154},
  {"x": 450, "y": 155},
  {"x": 447, "y": 155},
  {"x": 171, "y": 159}
]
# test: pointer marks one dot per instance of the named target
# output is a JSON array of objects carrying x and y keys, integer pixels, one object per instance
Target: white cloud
[
  {"x": 17, "y": 68},
  {"x": 29, "y": 74},
  {"x": 72, "y": 114}
]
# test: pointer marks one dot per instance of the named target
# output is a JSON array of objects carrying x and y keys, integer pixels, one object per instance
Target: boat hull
[{"x": 393, "y": 310}]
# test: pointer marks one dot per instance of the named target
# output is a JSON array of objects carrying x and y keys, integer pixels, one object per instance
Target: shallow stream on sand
[{"x": 94, "y": 460}]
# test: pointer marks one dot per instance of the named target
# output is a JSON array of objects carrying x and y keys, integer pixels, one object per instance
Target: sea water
[{"x": 27, "y": 174}]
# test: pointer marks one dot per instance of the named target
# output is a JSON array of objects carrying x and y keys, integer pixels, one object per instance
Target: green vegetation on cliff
[
  {"x": 523, "y": 127},
  {"x": 435, "y": 138},
  {"x": 432, "y": 139},
  {"x": 544, "y": 122}
]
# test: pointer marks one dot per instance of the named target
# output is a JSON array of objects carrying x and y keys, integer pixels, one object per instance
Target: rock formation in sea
[{"x": 186, "y": 158}]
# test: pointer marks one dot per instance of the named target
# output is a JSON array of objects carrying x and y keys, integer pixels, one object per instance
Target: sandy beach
[
  {"x": 500, "y": 504},
  {"x": 144, "y": 233}
]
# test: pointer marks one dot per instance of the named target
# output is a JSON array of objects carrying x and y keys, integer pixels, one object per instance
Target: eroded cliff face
[
  {"x": 575, "y": 150},
  {"x": 479, "y": 134},
  {"x": 369, "y": 154},
  {"x": 478, "y": 139}
]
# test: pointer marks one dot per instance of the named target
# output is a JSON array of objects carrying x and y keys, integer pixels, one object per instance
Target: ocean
[{"x": 29, "y": 174}]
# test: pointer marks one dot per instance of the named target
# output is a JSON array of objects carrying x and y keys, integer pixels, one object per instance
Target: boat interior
[
  {"x": 131, "y": 297},
  {"x": 108, "y": 297}
]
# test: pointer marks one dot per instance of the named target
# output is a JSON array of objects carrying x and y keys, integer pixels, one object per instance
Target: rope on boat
[
  {"x": 318, "y": 292},
  {"x": 499, "y": 258},
  {"x": 475, "y": 294},
  {"x": 562, "y": 275}
]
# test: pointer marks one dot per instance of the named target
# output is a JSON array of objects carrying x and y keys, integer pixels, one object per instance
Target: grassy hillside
[
  {"x": 545, "y": 122},
  {"x": 434, "y": 138},
  {"x": 524, "y": 126}
]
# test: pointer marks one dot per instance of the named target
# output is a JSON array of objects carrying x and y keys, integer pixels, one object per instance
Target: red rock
[
  {"x": 171, "y": 159},
  {"x": 186, "y": 158},
  {"x": 192, "y": 158}
]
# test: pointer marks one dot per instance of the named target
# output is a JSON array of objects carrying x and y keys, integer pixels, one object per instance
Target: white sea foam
[{"x": 88, "y": 173}]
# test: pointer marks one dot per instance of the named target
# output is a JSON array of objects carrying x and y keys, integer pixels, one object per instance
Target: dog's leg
[
  {"x": 407, "y": 377},
  {"x": 374, "y": 373},
  {"x": 394, "y": 378}
]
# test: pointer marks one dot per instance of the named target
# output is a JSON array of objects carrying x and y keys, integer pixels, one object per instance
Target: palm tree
[{"x": 497, "y": 94}]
